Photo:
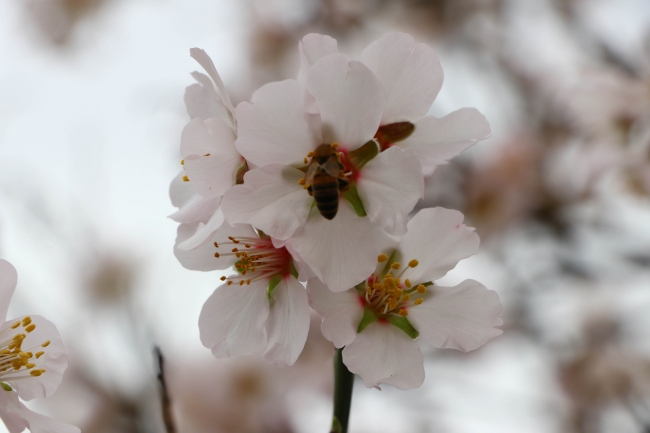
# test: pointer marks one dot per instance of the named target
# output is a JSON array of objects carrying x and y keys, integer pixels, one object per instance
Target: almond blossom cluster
[{"x": 312, "y": 183}]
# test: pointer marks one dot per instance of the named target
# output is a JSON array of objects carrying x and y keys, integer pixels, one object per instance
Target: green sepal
[
  {"x": 403, "y": 324},
  {"x": 369, "y": 317},
  {"x": 273, "y": 283},
  {"x": 352, "y": 196},
  {"x": 292, "y": 270},
  {"x": 336, "y": 425},
  {"x": 361, "y": 156},
  {"x": 6, "y": 386}
]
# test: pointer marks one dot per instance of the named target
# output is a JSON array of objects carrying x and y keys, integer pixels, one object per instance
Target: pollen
[
  {"x": 335, "y": 145},
  {"x": 396, "y": 265},
  {"x": 421, "y": 289},
  {"x": 47, "y": 343},
  {"x": 186, "y": 179},
  {"x": 39, "y": 354},
  {"x": 15, "y": 325},
  {"x": 413, "y": 263},
  {"x": 382, "y": 258},
  {"x": 216, "y": 255},
  {"x": 403, "y": 312},
  {"x": 419, "y": 301},
  {"x": 30, "y": 328},
  {"x": 302, "y": 181},
  {"x": 407, "y": 283}
]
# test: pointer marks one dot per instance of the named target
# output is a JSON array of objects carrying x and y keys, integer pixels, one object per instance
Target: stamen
[
  {"x": 403, "y": 312},
  {"x": 15, "y": 325},
  {"x": 182, "y": 162},
  {"x": 302, "y": 181},
  {"x": 419, "y": 301},
  {"x": 396, "y": 265},
  {"x": 30, "y": 328},
  {"x": 421, "y": 289},
  {"x": 407, "y": 283},
  {"x": 186, "y": 179},
  {"x": 47, "y": 343},
  {"x": 382, "y": 258},
  {"x": 413, "y": 263}
]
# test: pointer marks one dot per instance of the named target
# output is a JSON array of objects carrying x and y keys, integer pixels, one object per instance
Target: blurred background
[{"x": 91, "y": 110}]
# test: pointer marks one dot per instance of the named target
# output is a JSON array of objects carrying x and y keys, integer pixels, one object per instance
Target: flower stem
[{"x": 343, "y": 384}]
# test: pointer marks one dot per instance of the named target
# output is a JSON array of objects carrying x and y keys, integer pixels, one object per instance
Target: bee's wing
[
  {"x": 332, "y": 167},
  {"x": 311, "y": 171}
]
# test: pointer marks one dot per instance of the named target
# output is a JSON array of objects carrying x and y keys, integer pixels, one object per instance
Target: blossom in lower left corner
[{"x": 32, "y": 362}]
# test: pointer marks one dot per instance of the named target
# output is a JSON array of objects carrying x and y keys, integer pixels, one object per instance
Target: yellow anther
[
  {"x": 421, "y": 289},
  {"x": 5, "y": 352},
  {"x": 39, "y": 354},
  {"x": 241, "y": 283},
  {"x": 413, "y": 263},
  {"x": 310, "y": 154},
  {"x": 407, "y": 283},
  {"x": 30, "y": 366},
  {"x": 47, "y": 343},
  {"x": 418, "y": 301},
  {"x": 186, "y": 179},
  {"x": 406, "y": 297},
  {"x": 207, "y": 154},
  {"x": 335, "y": 145},
  {"x": 302, "y": 181},
  {"x": 382, "y": 258},
  {"x": 36, "y": 373},
  {"x": 230, "y": 283},
  {"x": 223, "y": 278},
  {"x": 182, "y": 162},
  {"x": 403, "y": 312},
  {"x": 248, "y": 282},
  {"x": 23, "y": 355},
  {"x": 30, "y": 328},
  {"x": 15, "y": 325},
  {"x": 216, "y": 255},
  {"x": 396, "y": 265},
  {"x": 305, "y": 160}
]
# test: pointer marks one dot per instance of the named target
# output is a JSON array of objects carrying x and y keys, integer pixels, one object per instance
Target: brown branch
[{"x": 165, "y": 400}]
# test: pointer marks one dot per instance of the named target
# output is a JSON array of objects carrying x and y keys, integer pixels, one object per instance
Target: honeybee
[{"x": 325, "y": 179}]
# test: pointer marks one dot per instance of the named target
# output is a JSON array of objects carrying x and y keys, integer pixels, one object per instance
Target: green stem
[{"x": 343, "y": 383}]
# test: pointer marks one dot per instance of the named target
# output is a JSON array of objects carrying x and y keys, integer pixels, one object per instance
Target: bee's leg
[
  {"x": 310, "y": 190},
  {"x": 344, "y": 184}
]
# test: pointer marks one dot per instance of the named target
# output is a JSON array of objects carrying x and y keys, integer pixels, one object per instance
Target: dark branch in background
[{"x": 165, "y": 400}]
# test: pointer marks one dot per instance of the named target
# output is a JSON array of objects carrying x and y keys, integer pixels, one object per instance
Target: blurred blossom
[{"x": 56, "y": 20}]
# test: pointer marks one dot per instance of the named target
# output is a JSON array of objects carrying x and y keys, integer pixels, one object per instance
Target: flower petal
[
  {"x": 211, "y": 159},
  {"x": 390, "y": 185},
  {"x": 232, "y": 320},
  {"x": 54, "y": 361},
  {"x": 349, "y": 98},
  {"x": 8, "y": 281},
  {"x": 438, "y": 239},
  {"x": 181, "y": 192},
  {"x": 196, "y": 209},
  {"x": 270, "y": 199},
  {"x": 312, "y": 48},
  {"x": 17, "y": 417},
  {"x": 274, "y": 128},
  {"x": 202, "y": 101},
  {"x": 461, "y": 317},
  {"x": 288, "y": 323},
  {"x": 435, "y": 141},
  {"x": 341, "y": 312},
  {"x": 203, "y": 232},
  {"x": 343, "y": 251},
  {"x": 383, "y": 353},
  {"x": 410, "y": 73},
  {"x": 206, "y": 62}
]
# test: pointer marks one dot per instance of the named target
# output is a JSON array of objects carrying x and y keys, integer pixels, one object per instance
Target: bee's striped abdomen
[{"x": 326, "y": 194}]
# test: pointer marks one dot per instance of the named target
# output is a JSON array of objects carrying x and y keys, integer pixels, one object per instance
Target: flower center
[
  {"x": 16, "y": 361},
  {"x": 389, "y": 294},
  {"x": 258, "y": 259}
]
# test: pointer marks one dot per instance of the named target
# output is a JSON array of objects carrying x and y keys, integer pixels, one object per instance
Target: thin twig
[{"x": 165, "y": 400}]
